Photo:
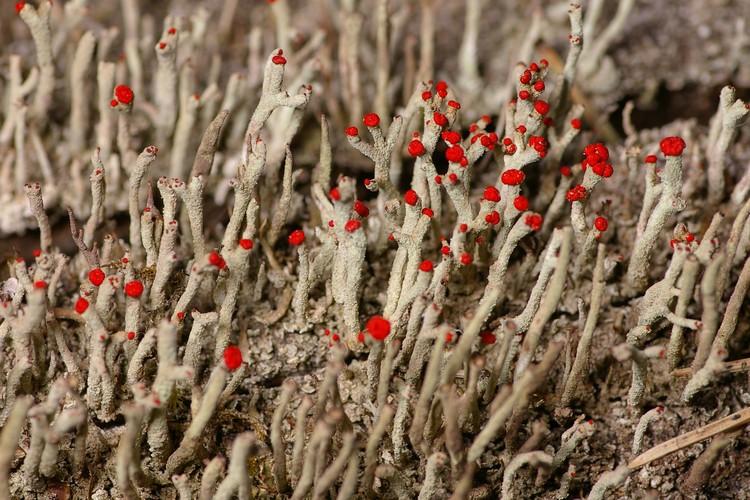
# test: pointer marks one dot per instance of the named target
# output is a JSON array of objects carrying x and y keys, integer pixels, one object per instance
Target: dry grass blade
[{"x": 727, "y": 423}]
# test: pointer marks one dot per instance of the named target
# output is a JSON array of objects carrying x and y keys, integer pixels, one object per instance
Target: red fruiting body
[
  {"x": 326, "y": 332},
  {"x": 438, "y": 179},
  {"x": 449, "y": 337},
  {"x": 232, "y": 357},
  {"x": 428, "y": 212},
  {"x": 486, "y": 119},
  {"x": 534, "y": 222},
  {"x": 651, "y": 159},
  {"x": 426, "y": 95},
  {"x": 463, "y": 228},
  {"x": 510, "y": 149},
  {"x": 521, "y": 203},
  {"x": 539, "y": 86},
  {"x": 113, "y": 103},
  {"x": 40, "y": 284},
  {"x": 172, "y": 31},
  {"x": 335, "y": 194},
  {"x": 479, "y": 240},
  {"x": 361, "y": 209},
  {"x": 371, "y": 120},
  {"x": 278, "y": 60},
  {"x": 124, "y": 94},
  {"x": 133, "y": 288},
  {"x": 181, "y": 315},
  {"x": 162, "y": 45},
  {"x": 473, "y": 128},
  {"x": 352, "y": 131},
  {"x": 491, "y": 194},
  {"x": 465, "y": 258},
  {"x": 37, "y": 252},
  {"x": 378, "y": 327},
  {"x": 464, "y": 161},
  {"x": 20, "y": 6},
  {"x": 411, "y": 197},
  {"x": 96, "y": 277},
  {"x": 360, "y": 337},
  {"x": 601, "y": 224},
  {"x": 602, "y": 169},
  {"x": 524, "y": 94},
  {"x": 297, "y": 237},
  {"x": 541, "y": 107},
  {"x": 426, "y": 266},
  {"x": 538, "y": 143},
  {"x": 672, "y": 146},
  {"x": 596, "y": 149},
  {"x": 247, "y": 244},
  {"x": 454, "y": 153},
  {"x": 565, "y": 171},
  {"x": 690, "y": 237},
  {"x": 575, "y": 123},
  {"x": 352, "y": 225},
  {"x": 544, "y": 63},
  {"x": 416, "y": 148},
  {"x": 507, "y": 141},
  {"x": 454, "y": 104},
  {"x": 521, "y": 129},
  {"x": 451, "y": 136},
  {"x": 533, "y": 67},
  {"x": 488, "y": 337},
  {"x": 131, "y": 335},
  {"x": 81, "y": 305},
  {"x": 214, "y": 259},
  {"x": 512, "y": 177},
  {"x": 445, "y": 250},
  {"x": 336, "y": 337},
  {"x": 578, "y": 192},
  {"x": 493, "y": 218},
  {"x": 453, "y": 178},
  {"x": 525, "y": 77},
  {"x": 440, "y": 119},
  {"x": 331, "y": 223},
  {"x": 441, "y": 85},
  {"x": 548, "y": 121}
]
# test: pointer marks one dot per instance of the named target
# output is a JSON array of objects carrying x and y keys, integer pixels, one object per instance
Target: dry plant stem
[
  {"x": 373, "y": 443},
  {"x": 349, "y": 485},
  {"x": 548, "y": 306},
  {"x": 608, "y": 481},
  {"x": 580, "y": 368},
  {"x": 211, "y": 475},
  {"x": 499, "y": 417},
  {"x": 285, "y": 200},
  {"x": 333, "y": 472},
  {"x": 706, "y": 375},
  {"x": 299, "y": 437},
  {"x": 34, "y": 195},
  {"x": 686, "y": 285},
  {"x": 128, "y": 452},
  {"x": 640, "y": 429},
  {"x": 453, "y": 439},
  {"x": 139, "y": 171},
  {"x": 38, "y": 21},
  {"x": 703, "y": 467},
  {"x": 277, "y": 439},
  {"x": 11, "y": 432},
  {"x": 191, "y": 439},
  {"x": 670, "y": 203},
  {"x": 430, "y": 384},
  {"x": 431, "y": 477},
  {"x": 322, "y": 433},
  {"x": 531, "y": 459},
  {"x": 730, "y": 113},
  {"x": 734, "y": 306},
  {"x": 386, "y": 372},
  {"x": 509, "y": 333},
  {"x": 237, "y": 480},
  {"x": 734, "y": 421},
  {"x": 730, "y": 249}
]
